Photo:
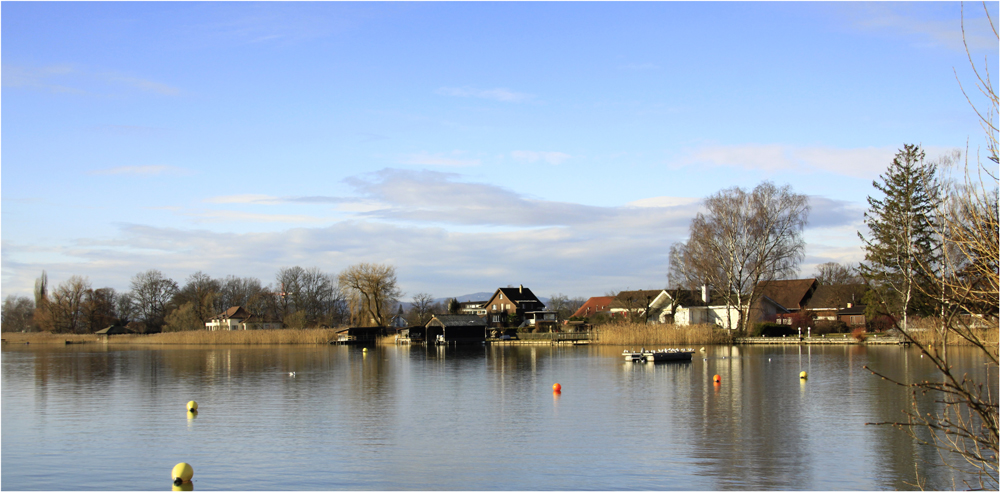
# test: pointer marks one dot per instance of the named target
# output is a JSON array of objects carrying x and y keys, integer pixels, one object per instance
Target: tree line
[{"x": 363, "y": 294}]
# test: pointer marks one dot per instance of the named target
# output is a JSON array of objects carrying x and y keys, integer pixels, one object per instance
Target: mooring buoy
[{"x": 181, "y": 473}]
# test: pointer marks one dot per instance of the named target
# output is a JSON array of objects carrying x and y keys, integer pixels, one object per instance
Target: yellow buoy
[
  {"x": 803, "y": 375},
  {"x": 364, "y": 349},
  {"x": 192, "y": 406},
  {"x": 181, "y": 473}
]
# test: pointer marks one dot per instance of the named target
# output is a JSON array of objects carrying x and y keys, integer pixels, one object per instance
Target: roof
[
  {"x": 516, "y": 294},
  {"x": 235, "y": 312},
  {"x": 836, "y": 296},
  {"x": 692, "y": 297},
  {"x": 855, "y": 310},
  {"x": 789, "y": 294},
  {"x": 593, "y": 306},
  {"x": 457, "y": 320},
  {"x": 111, "y": 330},
  {"x": 632, "y": 299}
]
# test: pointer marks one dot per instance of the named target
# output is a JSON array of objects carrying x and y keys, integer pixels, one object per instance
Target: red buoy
[
  {"x": 557, "y": 388},
  {"x": 717, "y": 379}
]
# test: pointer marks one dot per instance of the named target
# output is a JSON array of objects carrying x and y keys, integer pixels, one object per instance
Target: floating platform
[{"x": 662, "y": 355}]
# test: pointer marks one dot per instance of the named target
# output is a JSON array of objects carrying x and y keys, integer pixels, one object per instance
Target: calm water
[{"x": 485, "y": 418}]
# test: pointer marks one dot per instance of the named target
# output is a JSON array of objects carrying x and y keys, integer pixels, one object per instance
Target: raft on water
[{"x": 662, "y": 355}]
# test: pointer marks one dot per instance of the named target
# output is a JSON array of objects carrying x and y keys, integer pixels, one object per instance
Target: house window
[{"x": 501, "y": 296}]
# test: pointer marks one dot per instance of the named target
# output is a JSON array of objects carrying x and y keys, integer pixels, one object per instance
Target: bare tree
[
  {"x": 99, "y": 309},
  {"x": 833, "y": 273},
  {"x": 743, "y": 239},
  {"x": 201, "y": 292},
  {"x": 151, "y": 291},
  {"x": 66, "y": 306},
  {"x": 421, "y": 309},
  {"x": 17, "y": 314},
  {"x": 371, "y": 290}
]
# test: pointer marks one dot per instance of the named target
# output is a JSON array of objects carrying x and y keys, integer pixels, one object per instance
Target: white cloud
[
  {"x": 498, "y": 94},
  {"x": 142, "y": 171},
  {"x": 554, "y": 158}
]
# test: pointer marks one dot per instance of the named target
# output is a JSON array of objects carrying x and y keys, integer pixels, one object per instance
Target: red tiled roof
[{"x": 593, "y": 306}]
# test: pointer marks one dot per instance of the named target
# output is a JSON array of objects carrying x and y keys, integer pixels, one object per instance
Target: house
[
  {"x": 237, "y": 318},
  {"x": 540, "y": 319},
  {"x": 853, "y": 315},
  {"x": 593, "y": 306},
  {"x": 472, "y": 307},
  {"x": 648, "y": 304},
  {"x": 827, "y": 301},
  {"x": 510, "y": 302},
  {"x": 791, "y": 295},
  {"x": 456, "y": 328},
  {"x": 695, "y": 307}
]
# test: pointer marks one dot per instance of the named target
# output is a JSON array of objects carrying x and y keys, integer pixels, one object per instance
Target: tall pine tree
[{"x": 902, "y": 237}]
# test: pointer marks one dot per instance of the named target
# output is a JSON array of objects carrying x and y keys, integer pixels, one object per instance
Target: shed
[
  {"x": 111, "y": 330},
  {"x": 455, "y": 328},
  {"x": 357, "y": 334}
]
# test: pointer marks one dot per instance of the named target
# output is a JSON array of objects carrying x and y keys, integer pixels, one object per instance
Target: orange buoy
[
  {"x": 717, "y": 379},
  {"x": 557, "y": 387}
]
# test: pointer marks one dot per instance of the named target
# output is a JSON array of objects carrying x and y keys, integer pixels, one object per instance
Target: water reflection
[{"x": 475, "y": 417}]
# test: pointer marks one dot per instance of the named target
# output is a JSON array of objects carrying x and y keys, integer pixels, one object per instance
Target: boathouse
[{"x": 456, "y": 328}]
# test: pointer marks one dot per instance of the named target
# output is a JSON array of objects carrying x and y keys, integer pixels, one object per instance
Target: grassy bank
[
  {"x": 199, "y": 337},
  {"x": 651, "y": 335}
]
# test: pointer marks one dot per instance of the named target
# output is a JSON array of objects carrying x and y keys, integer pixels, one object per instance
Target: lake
[{"x": 86, "y": 417}]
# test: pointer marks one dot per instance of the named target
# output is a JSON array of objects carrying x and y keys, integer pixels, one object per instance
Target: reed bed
[
  {"x": 659, "y": 334},
  {"x": 926, "y": 332},
  {"x": 318, "y": 336}
]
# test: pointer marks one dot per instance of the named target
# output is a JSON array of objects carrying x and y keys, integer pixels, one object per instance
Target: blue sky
[{"x": 563, "y": 146}]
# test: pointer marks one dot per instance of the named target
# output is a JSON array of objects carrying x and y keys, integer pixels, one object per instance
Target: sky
[{"x": 562, "y": 146}]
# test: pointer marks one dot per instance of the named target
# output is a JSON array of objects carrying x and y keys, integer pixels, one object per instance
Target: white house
[{"x": 237, "y": 318}]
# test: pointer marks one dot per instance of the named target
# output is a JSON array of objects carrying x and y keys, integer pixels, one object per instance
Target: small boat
[{"x": 662, "y": 355}]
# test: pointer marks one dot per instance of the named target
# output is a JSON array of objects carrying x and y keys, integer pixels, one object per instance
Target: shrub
[
  {"x": 859, "y": 334},
  {"x": 772, "y": 330}
]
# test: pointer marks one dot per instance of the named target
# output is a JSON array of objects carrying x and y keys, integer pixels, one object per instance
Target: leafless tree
[
  {"x": 421, "y": 309},
  {"x": 371, "y": 291},
  {"x": 743, "y": 239},
  {"x": 66, "y": 306},
  {"x": 17, "y": 314},
  {"x": 151, "y": 291}
]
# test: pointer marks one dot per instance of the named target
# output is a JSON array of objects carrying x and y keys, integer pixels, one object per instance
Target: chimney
[
  {"x": 704, "y": 293},
  {"x": 520, "y": 288}
]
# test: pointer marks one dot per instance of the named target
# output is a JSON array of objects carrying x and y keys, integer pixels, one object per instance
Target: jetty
[{"x": 662, "y": 355}]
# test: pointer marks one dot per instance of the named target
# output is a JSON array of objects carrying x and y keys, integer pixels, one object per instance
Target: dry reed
[
  {"x": 659, "y": 334},
  {"x": 926, "y": 331},
  {"x": 197, "y": 337}
]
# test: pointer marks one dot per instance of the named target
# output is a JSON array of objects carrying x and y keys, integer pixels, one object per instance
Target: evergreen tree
[{"x": 902, "y": 240}]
